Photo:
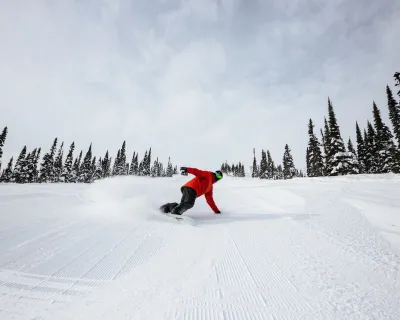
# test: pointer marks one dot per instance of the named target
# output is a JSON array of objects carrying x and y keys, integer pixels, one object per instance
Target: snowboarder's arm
[
  {"x": 196, "y": 172},
  {"x": 210, "y": 200}
]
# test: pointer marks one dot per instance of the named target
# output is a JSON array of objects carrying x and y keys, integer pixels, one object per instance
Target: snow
[{"x": 308, "y": 248}]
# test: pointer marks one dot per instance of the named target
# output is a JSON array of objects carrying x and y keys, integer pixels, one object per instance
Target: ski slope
[{"x": 324, "y": 248}]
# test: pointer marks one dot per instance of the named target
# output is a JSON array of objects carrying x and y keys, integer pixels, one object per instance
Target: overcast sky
[{"x": 202, "y": 81}]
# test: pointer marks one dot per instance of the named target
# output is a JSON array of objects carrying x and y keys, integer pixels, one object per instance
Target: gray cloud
[{"x": 200, "y": 81}]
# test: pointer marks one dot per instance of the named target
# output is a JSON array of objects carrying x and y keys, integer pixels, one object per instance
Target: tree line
[
  {"x": 376, "y": 150},
  {"x": 53, "y": 169}
]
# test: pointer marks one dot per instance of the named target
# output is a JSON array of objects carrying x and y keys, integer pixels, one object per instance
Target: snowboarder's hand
[
  {"x": 218, "y": 212},
  {"x": 183, "y": 171}
]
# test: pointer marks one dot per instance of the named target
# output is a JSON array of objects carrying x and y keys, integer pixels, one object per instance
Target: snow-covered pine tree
[
  {"x": 147, "y": 163},
  {"x": 105, "y": 165},
  {"x": 263, "y": 165},
  {"x": 255, "y": 173},
  {"x": 326, "y": 147},
  {"x": 337, "y": 156},
  {"x": 136, "y": 166},
  {"x": 170, "y": 169},
  {"x": 176, "y": 170},
  {"x": 108, "y": 168},
  {"x": 17, "y": 173},
  {"x": 360, "y": 150},
  {"x": 370, "y": 149},
  {"x": 394, "y": 114},
  {"x": 7, "y": 173},
  {"x": 242, "y": 171},
  {"x": 315, "y": 165},
  {"x": 3, "y": 137},
  {"x": 154, "y": 171},
  {"x": 143, "y": 165},
  {"x": 47, "y": 166},
  {"x": 24, "y": 175},
  {"x": 66, "y": 175},
  {"x": 76, "y": 168},
  {"x": 121, "y": 165},
  {"x": 86, "y": 168},
  {"x": 385, "y": 147},
  {"x": 140, "y": 167},
  {"x": 350, "y": 147},
  {"x": 270, "y": 166},
  {"x": 289, "y": 170},
  {"x": 58, "y": 163},
  {"x": 35, "y": 171},
  {"x": 132, "y": 167},
  {"x": 92, "y": 169},
  {"x": 116, "y": 164},
  {"x": 30, "y": 168},
  {"x": 279, "y": 172},
  {"x": 98, "y": 173}
]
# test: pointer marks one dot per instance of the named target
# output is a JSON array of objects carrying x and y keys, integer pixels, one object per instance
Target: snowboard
[{"x": 181, "y": 219}]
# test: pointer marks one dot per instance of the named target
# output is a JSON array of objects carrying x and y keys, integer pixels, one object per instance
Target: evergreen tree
[
  {"x": 270, "y": 166},
  {"x": 326, "y": 147},
  {"x": 117, "y": 163},
  {"x": 263, "y": 165},
  {"x": 3, "y": 137},
  {"x": 66, "y": 175},
  {"x": 315, "y": 165},
  {"x": 289, "y": 169},
  {"x": 143, "y": 165},
  {"x": 121, "y": 161},
  {"x": 350, "y": 147},
  {"x": 279, "y": 172},
  {"x": 98, "y": 173},
  {"x": 76, "y": 168},
  {"x": 17, "y": 173},
  {"x": 385, "y": 148},
  {"x": 85, "y": 174},
  {"x": 8, "y": 172},
  {"x": 47, "y": 166},
  {"x": 337, "y": 156},
  {"x": 58, "y": 164},
  {"x": 92, "y": 170},
  {"x": 370, "y": 149},
  {"x": 154, "y": 171},
  {"x": 132, "y": 167},
  {"x": 24, "y": 170},
  {"x": 170, "y": 169},
  {"x": 35, "y": 173},
  {"x": 136, "y": 166},
  {"x": 28, "y": 170},
  {"x": 255, "y": 173},
  {"x": 360, "y": 151},
  {"x": 146, "y": 164},
  {"x": 394, "y": 114},
  {"x": 105, "y": 165}
]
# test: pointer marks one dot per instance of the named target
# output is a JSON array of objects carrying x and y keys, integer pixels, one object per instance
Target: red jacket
[{"x": 203, "y": 184}]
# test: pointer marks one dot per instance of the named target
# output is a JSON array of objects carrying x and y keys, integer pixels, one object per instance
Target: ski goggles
[{"x": 218, "y": 175}]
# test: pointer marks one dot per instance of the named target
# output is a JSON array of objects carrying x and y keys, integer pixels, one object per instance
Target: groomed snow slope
[{"x": 300, "y": 249}]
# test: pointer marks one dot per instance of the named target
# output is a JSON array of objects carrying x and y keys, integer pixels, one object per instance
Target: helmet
[{"x": 218, "y": 175}]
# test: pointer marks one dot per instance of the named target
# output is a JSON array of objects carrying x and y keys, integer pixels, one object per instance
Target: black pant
[{"x": 187, "y": 202}]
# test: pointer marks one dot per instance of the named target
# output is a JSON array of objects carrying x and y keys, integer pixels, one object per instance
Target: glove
[
  {"x": 183, "y": 171},
  {"x": 218, "y": 212}
]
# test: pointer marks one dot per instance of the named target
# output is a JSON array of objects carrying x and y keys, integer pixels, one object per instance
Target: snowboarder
[{"x": 201, "y": 184}]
